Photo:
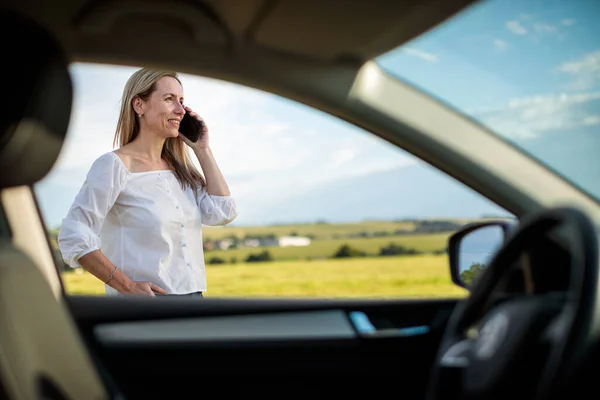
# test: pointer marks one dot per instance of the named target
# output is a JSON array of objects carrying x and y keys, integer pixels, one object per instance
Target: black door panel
[{"x": 176, "y": 347}]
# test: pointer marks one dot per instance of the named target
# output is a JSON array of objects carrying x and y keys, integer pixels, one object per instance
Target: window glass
[
  {"x": 325, "y": 209},
  {"x": 527, "y": 70}
]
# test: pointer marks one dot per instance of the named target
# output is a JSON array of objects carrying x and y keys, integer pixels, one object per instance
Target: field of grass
[
  {"x": 310, "y": 271},
  {"x": 422, "y": 276},
  {"x": 326, "y": 248},
  {"x": 319, "y": 231}
]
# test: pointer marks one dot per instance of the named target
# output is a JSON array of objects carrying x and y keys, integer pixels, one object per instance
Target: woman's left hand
[{"x": 202, "y": 142}]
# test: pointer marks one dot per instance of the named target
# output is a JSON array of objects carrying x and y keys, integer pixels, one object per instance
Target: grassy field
[
  {"x": 326, "y": 248},
  {"x": 319, "y": 231},
  {"x": 422, "y": 276},
  {"x": 322, "y": 231},
  {"x": 310, "y": 271}
]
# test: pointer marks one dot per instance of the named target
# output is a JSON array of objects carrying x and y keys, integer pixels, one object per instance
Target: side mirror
[{"x": 471, "y": 248}]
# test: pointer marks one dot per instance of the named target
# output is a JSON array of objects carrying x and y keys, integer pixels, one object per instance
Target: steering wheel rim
[{"x": 467, "y": 367}]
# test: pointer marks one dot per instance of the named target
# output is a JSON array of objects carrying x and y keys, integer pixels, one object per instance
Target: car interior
[{"x": 529, "y": 328}]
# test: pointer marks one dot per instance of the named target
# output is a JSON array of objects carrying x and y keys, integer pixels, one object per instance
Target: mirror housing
[{"x": 470, "y": 248}]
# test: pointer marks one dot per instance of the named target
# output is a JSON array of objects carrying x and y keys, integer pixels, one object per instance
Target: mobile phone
[{"x": 190, "y": 127}]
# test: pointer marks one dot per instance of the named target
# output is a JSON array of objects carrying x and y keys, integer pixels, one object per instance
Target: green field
[
  {"x": 310, "y": 271},
  {"x": 320, "y": 249},
  {"x": 422, "y": 276},
  {"x": 323, "y": 231},
  {"x": 319, "y": 231}
]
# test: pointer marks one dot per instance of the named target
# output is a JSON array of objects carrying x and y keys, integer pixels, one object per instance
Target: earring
[{"x": 140, "y": 115}]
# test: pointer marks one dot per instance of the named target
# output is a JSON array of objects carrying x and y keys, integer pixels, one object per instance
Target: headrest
[{"x": 36, "y": 107}]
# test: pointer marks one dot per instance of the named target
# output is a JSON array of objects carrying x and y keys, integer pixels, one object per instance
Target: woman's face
[{"x": 164, "y": 110}]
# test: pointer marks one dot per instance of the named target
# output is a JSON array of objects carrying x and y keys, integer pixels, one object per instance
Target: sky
[
  {"x": 527, "y": 69},
  {"x": 530, "y": 70}
]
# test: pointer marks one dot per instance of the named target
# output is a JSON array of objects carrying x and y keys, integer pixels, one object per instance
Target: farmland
[
  {"x": 319, "y": 231},
  {"x": 313, "y": 271},
  {"x": 378, "y": 277},
  {"x": 320, "y": 249}
]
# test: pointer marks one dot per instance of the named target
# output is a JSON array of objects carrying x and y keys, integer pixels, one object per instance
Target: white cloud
[
  {"x": 530, "y": 117},
  {"x": 536, "y": 29},
  {"x": 543, "y": 28},
  {"x": 541, "y": 31},
  {"x": 341, "y": 156},
  {"x": 591, "y": 120},
  {"x": 516, "y": 27},
  {"x": 500, "y": 45},
  {"x": 585, "y": 71},
  {"x": 420, "y": 54}
]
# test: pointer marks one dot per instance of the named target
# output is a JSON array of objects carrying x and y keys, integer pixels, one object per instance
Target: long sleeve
[
  {"x": 80, "y": 229},
  {"x": 216, "y": 210}
]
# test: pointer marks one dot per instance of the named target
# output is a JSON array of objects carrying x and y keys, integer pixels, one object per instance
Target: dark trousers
[{"x": 194, "y": 294}]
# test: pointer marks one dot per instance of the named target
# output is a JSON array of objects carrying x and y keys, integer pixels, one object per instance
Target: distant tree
[
  {"x": 469, "y": 277},
  {"x": 381, "y": 233},
  {"x": 263, "y": 256},
  {"x": 394, "y": 249},
  {"x": 346, "y": 251},
  {"x": 216, "y": 260}
]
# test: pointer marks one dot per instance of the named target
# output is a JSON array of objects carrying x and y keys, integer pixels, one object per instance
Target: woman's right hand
[
  {"x": 144, "y": 288},
  {"x": 99, "y": 266}
]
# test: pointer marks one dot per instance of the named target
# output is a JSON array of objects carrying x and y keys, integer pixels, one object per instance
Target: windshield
[{"x": 528, "y": 70}]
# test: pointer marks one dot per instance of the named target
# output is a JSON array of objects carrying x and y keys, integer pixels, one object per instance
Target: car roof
[{"x": 319, "y": 31}]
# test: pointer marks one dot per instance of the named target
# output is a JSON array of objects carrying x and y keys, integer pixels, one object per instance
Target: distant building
[
  {"x": 286, "y": 241},
  {"x": 223, "y": 244},
  {"x": 252, "y": 243}
]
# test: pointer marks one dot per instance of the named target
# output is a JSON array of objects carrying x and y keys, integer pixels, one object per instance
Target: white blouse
[{"x": 144, "y": 223}]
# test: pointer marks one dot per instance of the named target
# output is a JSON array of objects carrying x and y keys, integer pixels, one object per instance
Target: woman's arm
[
  {"x": 215, "y": 201},
  {"x": 215, "y": 182},
  {"x": 97, "y": 264}
]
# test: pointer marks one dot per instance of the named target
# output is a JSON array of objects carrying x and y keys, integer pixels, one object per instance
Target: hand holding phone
[{"x": 190, "y": 127}]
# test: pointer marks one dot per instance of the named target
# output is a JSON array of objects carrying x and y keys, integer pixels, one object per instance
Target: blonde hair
[{"x": 143, "y": 83}]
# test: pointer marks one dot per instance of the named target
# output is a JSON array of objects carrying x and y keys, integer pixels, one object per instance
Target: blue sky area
[
  {"x": 530, "y": 70},
  {"x": 499, "y": 50}
]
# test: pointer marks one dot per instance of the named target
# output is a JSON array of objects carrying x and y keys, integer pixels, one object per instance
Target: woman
[{"x": 136, "y": 223}]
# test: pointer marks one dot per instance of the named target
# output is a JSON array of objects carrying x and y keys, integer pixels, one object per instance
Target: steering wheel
[{"x": 524, "y": 346}]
